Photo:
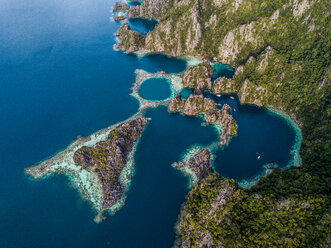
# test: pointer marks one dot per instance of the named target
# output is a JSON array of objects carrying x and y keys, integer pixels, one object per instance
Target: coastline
[{"x": 85, "y": 181}]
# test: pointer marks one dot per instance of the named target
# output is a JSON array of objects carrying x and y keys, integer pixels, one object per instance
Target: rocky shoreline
[
  {"x": 195, "y": 164},
  {"x": 196, "y": 105},
  {"x": 98, "y": 164}
]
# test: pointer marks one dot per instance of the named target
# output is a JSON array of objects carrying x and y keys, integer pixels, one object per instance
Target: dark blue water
[
  {"x": 59, "y": 78},
  {"x": 221, "y": 70},
  {"x": 161, "y": 62},
  {"x": 155, "y": 89},
  {"x": 260, "y": 133},
  {"x": 141, "y": 25}
]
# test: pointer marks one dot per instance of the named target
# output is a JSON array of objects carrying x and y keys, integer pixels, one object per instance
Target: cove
[
  {"x": 142, "y": 25},
  {"x": 221, "y": 70},
  {"x": 263, "y": 138},
  {"x": 155, "y": 89}
]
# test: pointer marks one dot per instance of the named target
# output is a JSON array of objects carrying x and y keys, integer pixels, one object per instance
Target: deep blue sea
[{"x": 60, "y": 78}]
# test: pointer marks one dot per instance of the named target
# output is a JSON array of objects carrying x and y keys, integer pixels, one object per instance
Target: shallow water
[
  {"x": 59, "y": 78},
  {"x": 155, "y": 89}
]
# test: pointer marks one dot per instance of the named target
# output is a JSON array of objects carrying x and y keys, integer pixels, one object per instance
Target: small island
[
  {"x": 195, "y": 164},
  {"x": 100, "y": 166}
]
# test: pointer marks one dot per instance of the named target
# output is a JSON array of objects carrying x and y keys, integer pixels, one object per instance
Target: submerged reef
[{"x": 99, "y": 166}]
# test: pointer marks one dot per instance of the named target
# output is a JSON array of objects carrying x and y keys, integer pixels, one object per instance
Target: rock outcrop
[
  {"x": 151, "y": 9},
  {"x": 129, "y": 40},
  {"x": 198, "y": 162},
  {"x": 223, "y": 85},
  {"x": 119, "y": 18},
  {"x": 198, "y": 77},
  {"x": 196, "y": 105},
  {"x": 227, "y": 123},
  {"x": 109, "y": 157},
  {"x": 119, "y": 6}
]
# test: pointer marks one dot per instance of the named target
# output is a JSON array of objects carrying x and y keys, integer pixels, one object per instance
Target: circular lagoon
[{"x": 155, "y": 89}]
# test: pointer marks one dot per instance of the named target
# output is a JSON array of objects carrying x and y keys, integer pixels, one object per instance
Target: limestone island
[
  {"x": 195, "y": 164},
  {"x": 198, "y": 78},
  {"x": 100, "y": 166},
  {"x": 120, "y": 6}
]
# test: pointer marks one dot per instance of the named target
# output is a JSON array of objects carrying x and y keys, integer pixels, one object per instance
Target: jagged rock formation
[
  {"x": 120, "y": 6},
  {"x": 119, "y": 18},
  {"x": 198, "y": 77},
  {"x": 199, "y": 105},
  {"x": 99, "y": 165},
  {"x": 227, "y": 123},
  {"x": 151, "y": 9},
  {"x": 219, "y": 214},
  {"x": 281, "y": 52},
  {"x": 223, "y": 85},
  {"x": 129, "y": 40},
  {"x": 198, "y": 163},
  {"x": 109, "y": 157}
]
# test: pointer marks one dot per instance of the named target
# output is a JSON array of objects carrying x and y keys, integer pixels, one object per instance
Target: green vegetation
[
  {"x": 130, "y": 40},
  {"x": 198, "y": 77},
  {"x": 220, "y": 214},
  {"x": 281, "y": 50}
]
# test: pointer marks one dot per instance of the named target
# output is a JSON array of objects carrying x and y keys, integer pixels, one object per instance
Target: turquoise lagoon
[
  {"x": 155, "y": 89},
  {"x": 60, "y": 78}
]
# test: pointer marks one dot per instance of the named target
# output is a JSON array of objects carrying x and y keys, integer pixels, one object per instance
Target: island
[{"x": 100, "y": 166}]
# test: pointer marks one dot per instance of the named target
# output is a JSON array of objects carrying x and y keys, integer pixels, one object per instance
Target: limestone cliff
[
  {"x": 219, "y": 214},
  {"x": 198, "y": 77},
  {"x": 197, "y": 104},
  {"x": 108, "y": 158},
  {"x": 198, "y": 162},
  {"x": 129, "y": 40},
  {"x": 151, "y": 9}
]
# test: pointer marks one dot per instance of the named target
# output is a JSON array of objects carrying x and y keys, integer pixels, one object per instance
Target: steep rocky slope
[
  {"x": 151, "y": 9},
  {"x": 281, "y": 52},
  {"x": 230, "y": 217}
]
